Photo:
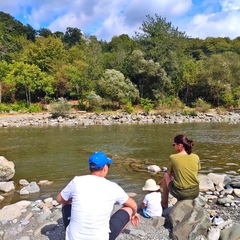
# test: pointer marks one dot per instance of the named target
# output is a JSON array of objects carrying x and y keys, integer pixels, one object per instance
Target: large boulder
[
  {"x": 220, "y": 180},
  {"x": 189, "y": 219},
  {"x": 205, "y": 183},
  {"x": 7, "y": 169}
]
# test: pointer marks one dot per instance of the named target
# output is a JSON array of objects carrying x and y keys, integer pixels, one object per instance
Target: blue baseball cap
[{"x": 98, "y": 160}]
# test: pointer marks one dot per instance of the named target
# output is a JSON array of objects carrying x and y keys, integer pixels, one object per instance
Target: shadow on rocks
[{"x": 54, "y": 231}]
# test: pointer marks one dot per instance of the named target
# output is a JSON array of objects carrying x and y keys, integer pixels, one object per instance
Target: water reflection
[{"x": 59, "y": 153}]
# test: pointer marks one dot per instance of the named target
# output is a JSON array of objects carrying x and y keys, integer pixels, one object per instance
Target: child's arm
[{"x": 143, "y": 205}]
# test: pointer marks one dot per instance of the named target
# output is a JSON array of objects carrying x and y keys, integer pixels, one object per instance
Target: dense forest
[{"x": 159, "y": 65}]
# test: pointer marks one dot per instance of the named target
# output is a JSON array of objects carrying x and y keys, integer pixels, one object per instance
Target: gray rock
[
  {"x": 31, "y": 188},
  {"x": 189, "y": 219},
  {"x": 231, "y": 233},
  {"x": 224, "y": 200},
  {"x": 7, "y": 169}
]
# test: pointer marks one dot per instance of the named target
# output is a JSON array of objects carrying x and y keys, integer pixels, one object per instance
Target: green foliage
[
  {"x": 115, "y": 87},
  {"x": 228, "y": 100},
  {"x": 201, "y": 105},
  {"x": 159, "y": 62},
  {"x": 20, "y": 106},
  {"x": 34, "y": 108},
  {"x": 190, "y": 112},
  {"x": 129, "y": 108},
  {"x": 146, "y": 104},
  {"x": 60, "y": 107},
  {"x": 151, "y": 77},
  {"x": 171, "y": 102},
  {"x": 4, "y": 108},
  {"x": 94, "y": 101}
]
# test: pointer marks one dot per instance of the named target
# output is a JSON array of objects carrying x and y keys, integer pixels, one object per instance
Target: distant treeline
[{"x": 159, "y": 65}]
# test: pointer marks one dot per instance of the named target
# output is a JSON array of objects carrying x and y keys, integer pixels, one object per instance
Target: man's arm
[
  {"x": 133, "y": 205},
  {"x": 60, "y": 199}
]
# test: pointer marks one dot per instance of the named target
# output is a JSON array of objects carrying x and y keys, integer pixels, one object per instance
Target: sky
[{"x": 108, "y": 18}]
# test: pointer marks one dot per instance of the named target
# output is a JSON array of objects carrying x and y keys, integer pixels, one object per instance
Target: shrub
[
  {"x": 34, "y": 108},
  {"x": 146, "y": 104},
  {"x": 201, "y": 105},
  {"x": 60, "y": 107},
  {"x": 4, "y": 107},
  {"x": 129, "y": 108},
  {"x": 19, "y": 106}
]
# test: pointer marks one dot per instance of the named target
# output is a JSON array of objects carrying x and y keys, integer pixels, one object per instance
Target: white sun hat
[{"x": 150, "y": 185}]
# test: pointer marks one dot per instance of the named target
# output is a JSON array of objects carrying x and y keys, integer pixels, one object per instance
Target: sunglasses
[
  {"x": 174, "y": 144},
  {"x": 108, "y": 165}
]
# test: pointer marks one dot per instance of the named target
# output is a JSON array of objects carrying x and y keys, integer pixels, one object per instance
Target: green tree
[
  {"x": 119, "y": 50},
  {"x": 4, "y": 70},
  {"x": 72, "y": 36},
  {"x": 159, "y": 38},
  {"x": 94, "y": 58},
  {"x": 150, "y": 77},
  {"x": 44, "y": 53},
  {"x": 29, "y": 77},
  {"x": 44, "y": 32},
  {"x": 78, "y": 79},
  {"x": 114, "y": 86},
  {"x": 214, "y": 79},
  {"x": 189, "y": 78}
]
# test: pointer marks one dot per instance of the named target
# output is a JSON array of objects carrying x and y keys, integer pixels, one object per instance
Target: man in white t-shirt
[{"x": 92, "y": 198}]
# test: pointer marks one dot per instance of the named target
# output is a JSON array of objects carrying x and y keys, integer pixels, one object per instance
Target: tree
[
  {"x": 158, "y": 38},
  {"x": 44, "y": 53},
  {"x": 44, "y": 32},
  {"x": 4, "y": 70},
  {"x": 29, "y": 77},
  {"x": 30, "y": 32},
  {"x": 119, "y": 49},
  {"x": 72, "y": 36},
  {"x": 94, "y": 58},
  {"x": 78, "y": 79},
  {"x": 114, "y": 86},
  {"x": 215, "y": 79},
  {"x": 189, "y": 77},
  {"x": 150, "y": 77}
]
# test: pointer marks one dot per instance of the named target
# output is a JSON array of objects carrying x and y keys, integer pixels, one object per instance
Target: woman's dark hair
[{"x": 187, "y": 143}]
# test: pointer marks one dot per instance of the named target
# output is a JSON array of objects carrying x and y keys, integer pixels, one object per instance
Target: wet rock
[
  {"x": 32, "y": 187},
  {"x": 7, "y": 186},
  {"x": 7, "y": 169}
]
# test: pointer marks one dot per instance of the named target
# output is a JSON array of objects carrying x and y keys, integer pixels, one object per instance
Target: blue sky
[{"x": 108, "y": 18}]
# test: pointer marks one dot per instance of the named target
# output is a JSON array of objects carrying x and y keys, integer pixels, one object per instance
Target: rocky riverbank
[
  {"x": 219, "y": 199},
  {"x": 83, "y": 118}
]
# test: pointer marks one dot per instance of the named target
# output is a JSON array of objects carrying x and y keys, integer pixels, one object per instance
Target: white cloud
[
  {"x": 229, "y": 5},
  {"x": 107, "y": 18}
]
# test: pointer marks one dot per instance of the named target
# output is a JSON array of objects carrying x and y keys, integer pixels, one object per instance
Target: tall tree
[
  {"x": 149, "y": 76},
  {"x": 29, "y": 77},
  {"x": 4, "y": 70},
  {"x": 44, "y": 53},
  {"x": 72, "y": 36}
]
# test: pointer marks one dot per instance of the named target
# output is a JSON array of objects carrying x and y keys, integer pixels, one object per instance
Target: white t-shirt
[
  {"x": 153, "y": 202},
  {"x": 92, "y": 203}
]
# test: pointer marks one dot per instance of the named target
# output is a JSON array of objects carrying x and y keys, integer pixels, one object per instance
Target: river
[{"x": 57, "y": 153}]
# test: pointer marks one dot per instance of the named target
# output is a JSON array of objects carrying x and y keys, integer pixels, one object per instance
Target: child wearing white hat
[{"x": 151, "y": 204}]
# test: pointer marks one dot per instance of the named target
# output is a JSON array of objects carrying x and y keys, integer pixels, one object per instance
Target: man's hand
[{"x": 135, "y": 219}]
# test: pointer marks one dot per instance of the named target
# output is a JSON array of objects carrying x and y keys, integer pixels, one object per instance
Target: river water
[{"x": 57, "y": 153}]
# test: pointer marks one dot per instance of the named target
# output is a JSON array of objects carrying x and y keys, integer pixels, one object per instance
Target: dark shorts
[
  {"x": 117, "y": 222},
  {"x": 183, "y": 194}
]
